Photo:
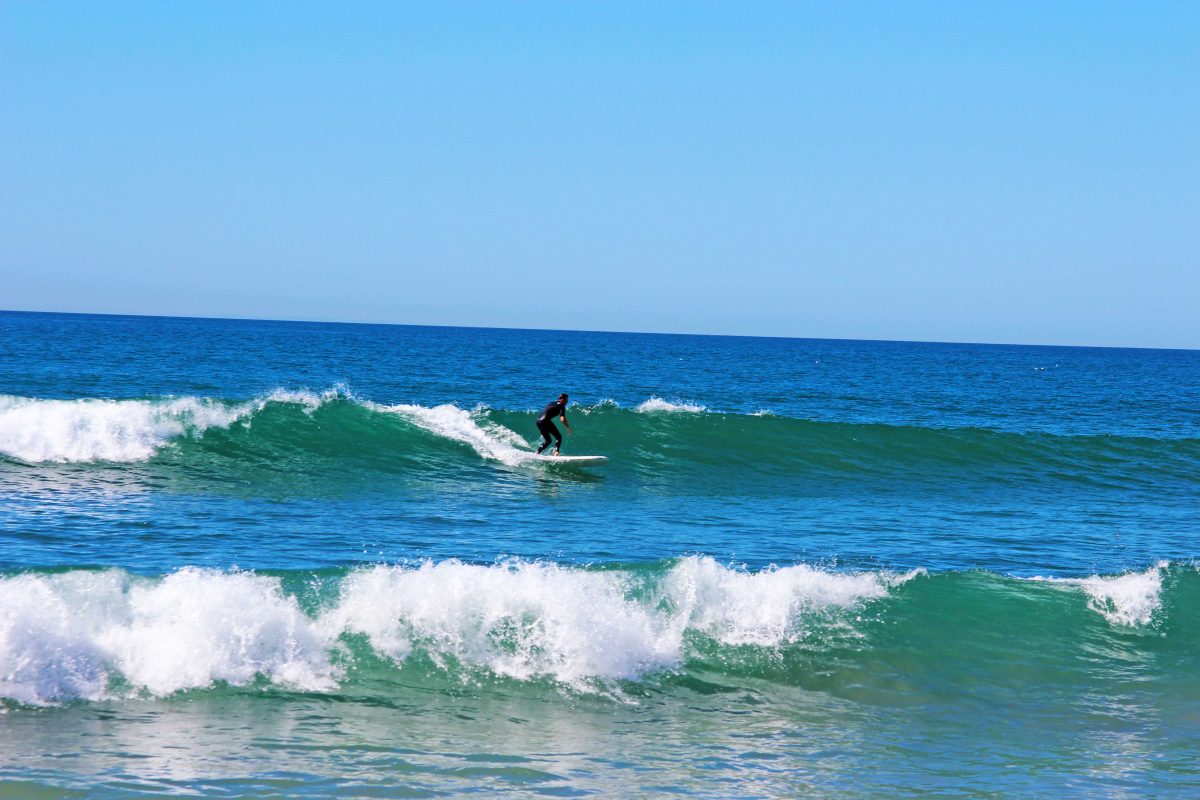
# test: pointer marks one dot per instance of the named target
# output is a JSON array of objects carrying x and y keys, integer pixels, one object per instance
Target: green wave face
[
  {"x": 791, "y": 447},
  {"x": 685, "y": 624}
]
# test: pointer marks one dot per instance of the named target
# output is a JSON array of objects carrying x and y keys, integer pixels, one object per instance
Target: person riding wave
[{"x": 545, "y": 423}]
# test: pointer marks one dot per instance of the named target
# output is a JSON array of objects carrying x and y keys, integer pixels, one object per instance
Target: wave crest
[
  {"x": 91, "y": 429},
  {"x": 490, "y": 440},
  {"x": 522, "y": 620},
  {"x": 98, "y": 430},
  {"x": 64, "y": 636},
  {"x": 72, "y": 635},
  {"x": 1130, "y": 600},
  {"x": 103, "y": 430},
  {"x": 659, "y": 405},
  {"x": 278, "y": 427}
]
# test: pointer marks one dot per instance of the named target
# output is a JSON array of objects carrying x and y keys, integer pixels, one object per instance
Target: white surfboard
[{"x": 575, "y": 461}]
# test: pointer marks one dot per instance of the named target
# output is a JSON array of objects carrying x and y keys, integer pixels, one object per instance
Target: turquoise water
[{"x": 296, "y": 559}]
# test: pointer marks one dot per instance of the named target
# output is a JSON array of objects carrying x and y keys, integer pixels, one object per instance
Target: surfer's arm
[{"x": 564, "y": 419}]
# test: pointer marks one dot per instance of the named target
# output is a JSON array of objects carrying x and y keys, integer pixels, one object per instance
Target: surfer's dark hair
[{"x": 562, "y": 396}]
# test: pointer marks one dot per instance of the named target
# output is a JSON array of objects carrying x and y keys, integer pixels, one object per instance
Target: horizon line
[{"x": 587, "y": 330}]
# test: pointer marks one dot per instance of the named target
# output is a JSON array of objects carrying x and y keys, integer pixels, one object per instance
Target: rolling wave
[
  {"x": 306, "y": 427},
  {"x": 116, "y": 431},
  {"x": 103, "y": 634}
]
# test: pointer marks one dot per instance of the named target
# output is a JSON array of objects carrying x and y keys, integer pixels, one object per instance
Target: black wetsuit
[{"x": 545, "y": 424}]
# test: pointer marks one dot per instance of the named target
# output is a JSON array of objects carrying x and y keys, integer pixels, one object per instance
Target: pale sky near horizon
[{"x": 987, "y": 172}]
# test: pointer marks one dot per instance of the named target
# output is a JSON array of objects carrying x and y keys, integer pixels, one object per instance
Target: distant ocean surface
[{"x": 274, "y": 559}]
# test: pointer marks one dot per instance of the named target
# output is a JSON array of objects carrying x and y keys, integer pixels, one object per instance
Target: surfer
[{"x": 545, "y": 423}]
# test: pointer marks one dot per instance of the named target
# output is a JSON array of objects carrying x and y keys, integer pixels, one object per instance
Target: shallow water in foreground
[{"x": 286, "y": 559}]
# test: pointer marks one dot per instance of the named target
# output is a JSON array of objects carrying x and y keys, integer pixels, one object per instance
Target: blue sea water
[{"x": 249, "y": 558}]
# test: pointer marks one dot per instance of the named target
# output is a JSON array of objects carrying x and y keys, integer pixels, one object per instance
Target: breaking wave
[
  {"x": 300, "y": 428},
  {"x": 1130, "y": 599},
  {"x": 657, "y": 404},
  {"x": 91, "y": 635}
]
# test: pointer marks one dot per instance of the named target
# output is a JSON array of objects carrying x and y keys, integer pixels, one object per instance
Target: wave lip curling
[{"x": 1129, "y": 600}]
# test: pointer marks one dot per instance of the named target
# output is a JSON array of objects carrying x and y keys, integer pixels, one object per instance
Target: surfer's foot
[{"x": 555, "y": 452}]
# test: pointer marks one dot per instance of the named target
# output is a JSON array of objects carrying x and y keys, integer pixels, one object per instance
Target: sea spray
[
  {"x": 766, "y": 608},
  {"x": 1130, "y": 599},
  {"x": 659, "y": 405},
  {"x": 64, "y": 636}
]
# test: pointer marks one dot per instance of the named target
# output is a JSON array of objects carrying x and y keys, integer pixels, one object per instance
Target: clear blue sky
[{"x": 961, "y": 171}]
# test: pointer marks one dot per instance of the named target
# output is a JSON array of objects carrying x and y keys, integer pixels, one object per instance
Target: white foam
[
  {"x": 520, "y": 619},
  {"x": 606, "y": 403},
  {"x": 766, "y": 608},
  {"x": 90, "y": 430},
  {"x": 35, "y": 430},
  {"x": 68, "y": 635},
  {"x": 198, "y": 626},
  {"x": 1130, "y": 599},
  {"x": 62, "y": 635},
  {"x": 657, "y": 404},
  {"x": 309, "y": 400},
  {"x": 488, "y": 439},
  {"x": 48, "y": 651},
  {"x": 529, "y": 620}
]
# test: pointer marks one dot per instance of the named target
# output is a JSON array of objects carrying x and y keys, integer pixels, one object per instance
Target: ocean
[{"x": 286, "y": 559}]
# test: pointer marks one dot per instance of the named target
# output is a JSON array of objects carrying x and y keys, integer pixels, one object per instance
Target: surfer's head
[{"x": 562, "y": 398}]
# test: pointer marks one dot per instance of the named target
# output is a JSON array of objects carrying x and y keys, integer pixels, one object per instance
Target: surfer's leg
[{"x": 545, "y": 431}]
